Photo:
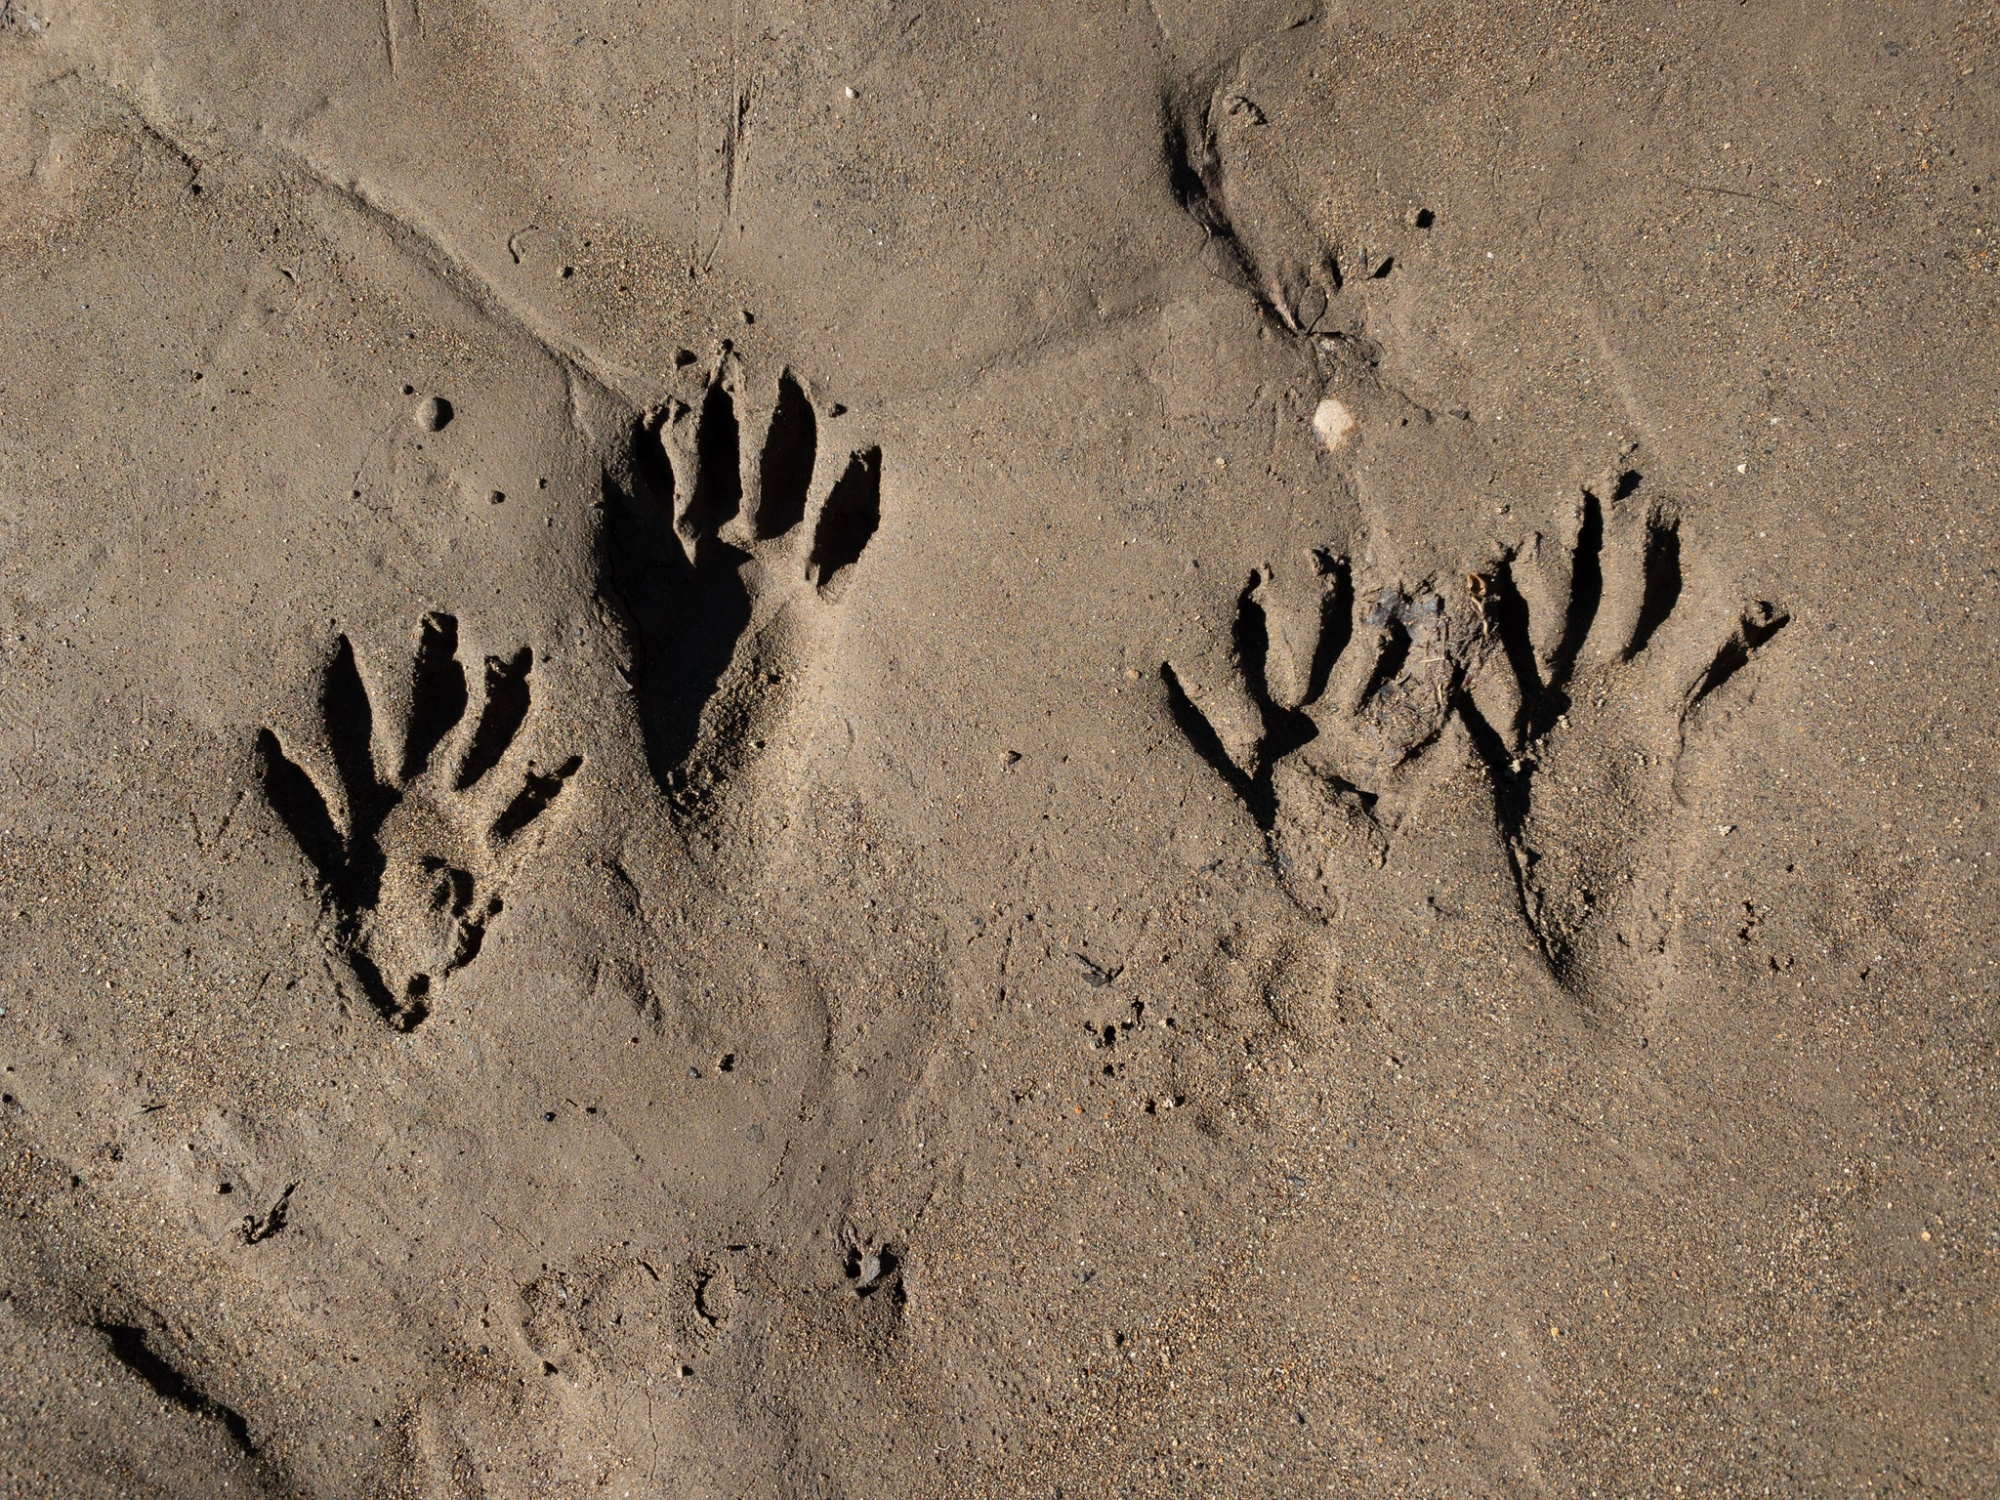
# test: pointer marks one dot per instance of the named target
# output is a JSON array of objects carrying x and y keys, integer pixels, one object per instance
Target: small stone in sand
[{"x": 1334, "y": 423}]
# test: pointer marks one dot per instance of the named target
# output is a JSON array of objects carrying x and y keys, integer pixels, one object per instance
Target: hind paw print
[
  {"x": 725, "y": 510},
  {"x": 723, "y": 554},
  {"x": 1567, "y": 670},
  {"x": 413, "y": 865}
]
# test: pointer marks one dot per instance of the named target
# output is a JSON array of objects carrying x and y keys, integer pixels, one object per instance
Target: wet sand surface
[{"x": 1129, "y": 749}]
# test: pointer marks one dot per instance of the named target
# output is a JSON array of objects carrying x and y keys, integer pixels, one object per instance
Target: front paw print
[{"x": 413, "y": 866}]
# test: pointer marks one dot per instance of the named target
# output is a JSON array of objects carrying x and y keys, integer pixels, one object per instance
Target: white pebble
[{"x": 1334, "y": 423}]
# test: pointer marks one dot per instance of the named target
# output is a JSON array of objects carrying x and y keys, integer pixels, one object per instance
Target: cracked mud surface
[{"x": 823, "y": 751}]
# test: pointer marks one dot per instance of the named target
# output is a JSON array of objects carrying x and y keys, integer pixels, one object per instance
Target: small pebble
[
  {"x": 1334, "y": 423},
  {"x": 434, "y": 414}
]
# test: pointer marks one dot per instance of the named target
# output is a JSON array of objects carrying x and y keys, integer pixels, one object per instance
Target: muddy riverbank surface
[{"x": 1128, "y": 749}]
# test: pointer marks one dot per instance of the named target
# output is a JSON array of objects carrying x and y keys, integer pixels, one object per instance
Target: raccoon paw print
[
  {"x": 413, "y": 865},
  {"x": 1573, "y": 655},
  {"x": 730, "y": 538}
]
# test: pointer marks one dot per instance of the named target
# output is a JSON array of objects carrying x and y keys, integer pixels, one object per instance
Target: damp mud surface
[{"x": 840, "y": 750}]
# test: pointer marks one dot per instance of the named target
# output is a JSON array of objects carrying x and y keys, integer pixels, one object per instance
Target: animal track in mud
[
  {"x": 413, "y": 866},
  {"x": 1573, "y": 650},
  {"x": 717, "y": 562},
  {"x": 1571, "y": 670},
  {"x": 257, "y": 1228},
  {"x": 1257, "y": 234},
  {"x": 869, "y": 1267}
]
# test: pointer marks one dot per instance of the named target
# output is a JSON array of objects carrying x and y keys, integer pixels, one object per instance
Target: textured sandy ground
[{"x": 832, "y": 749}]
